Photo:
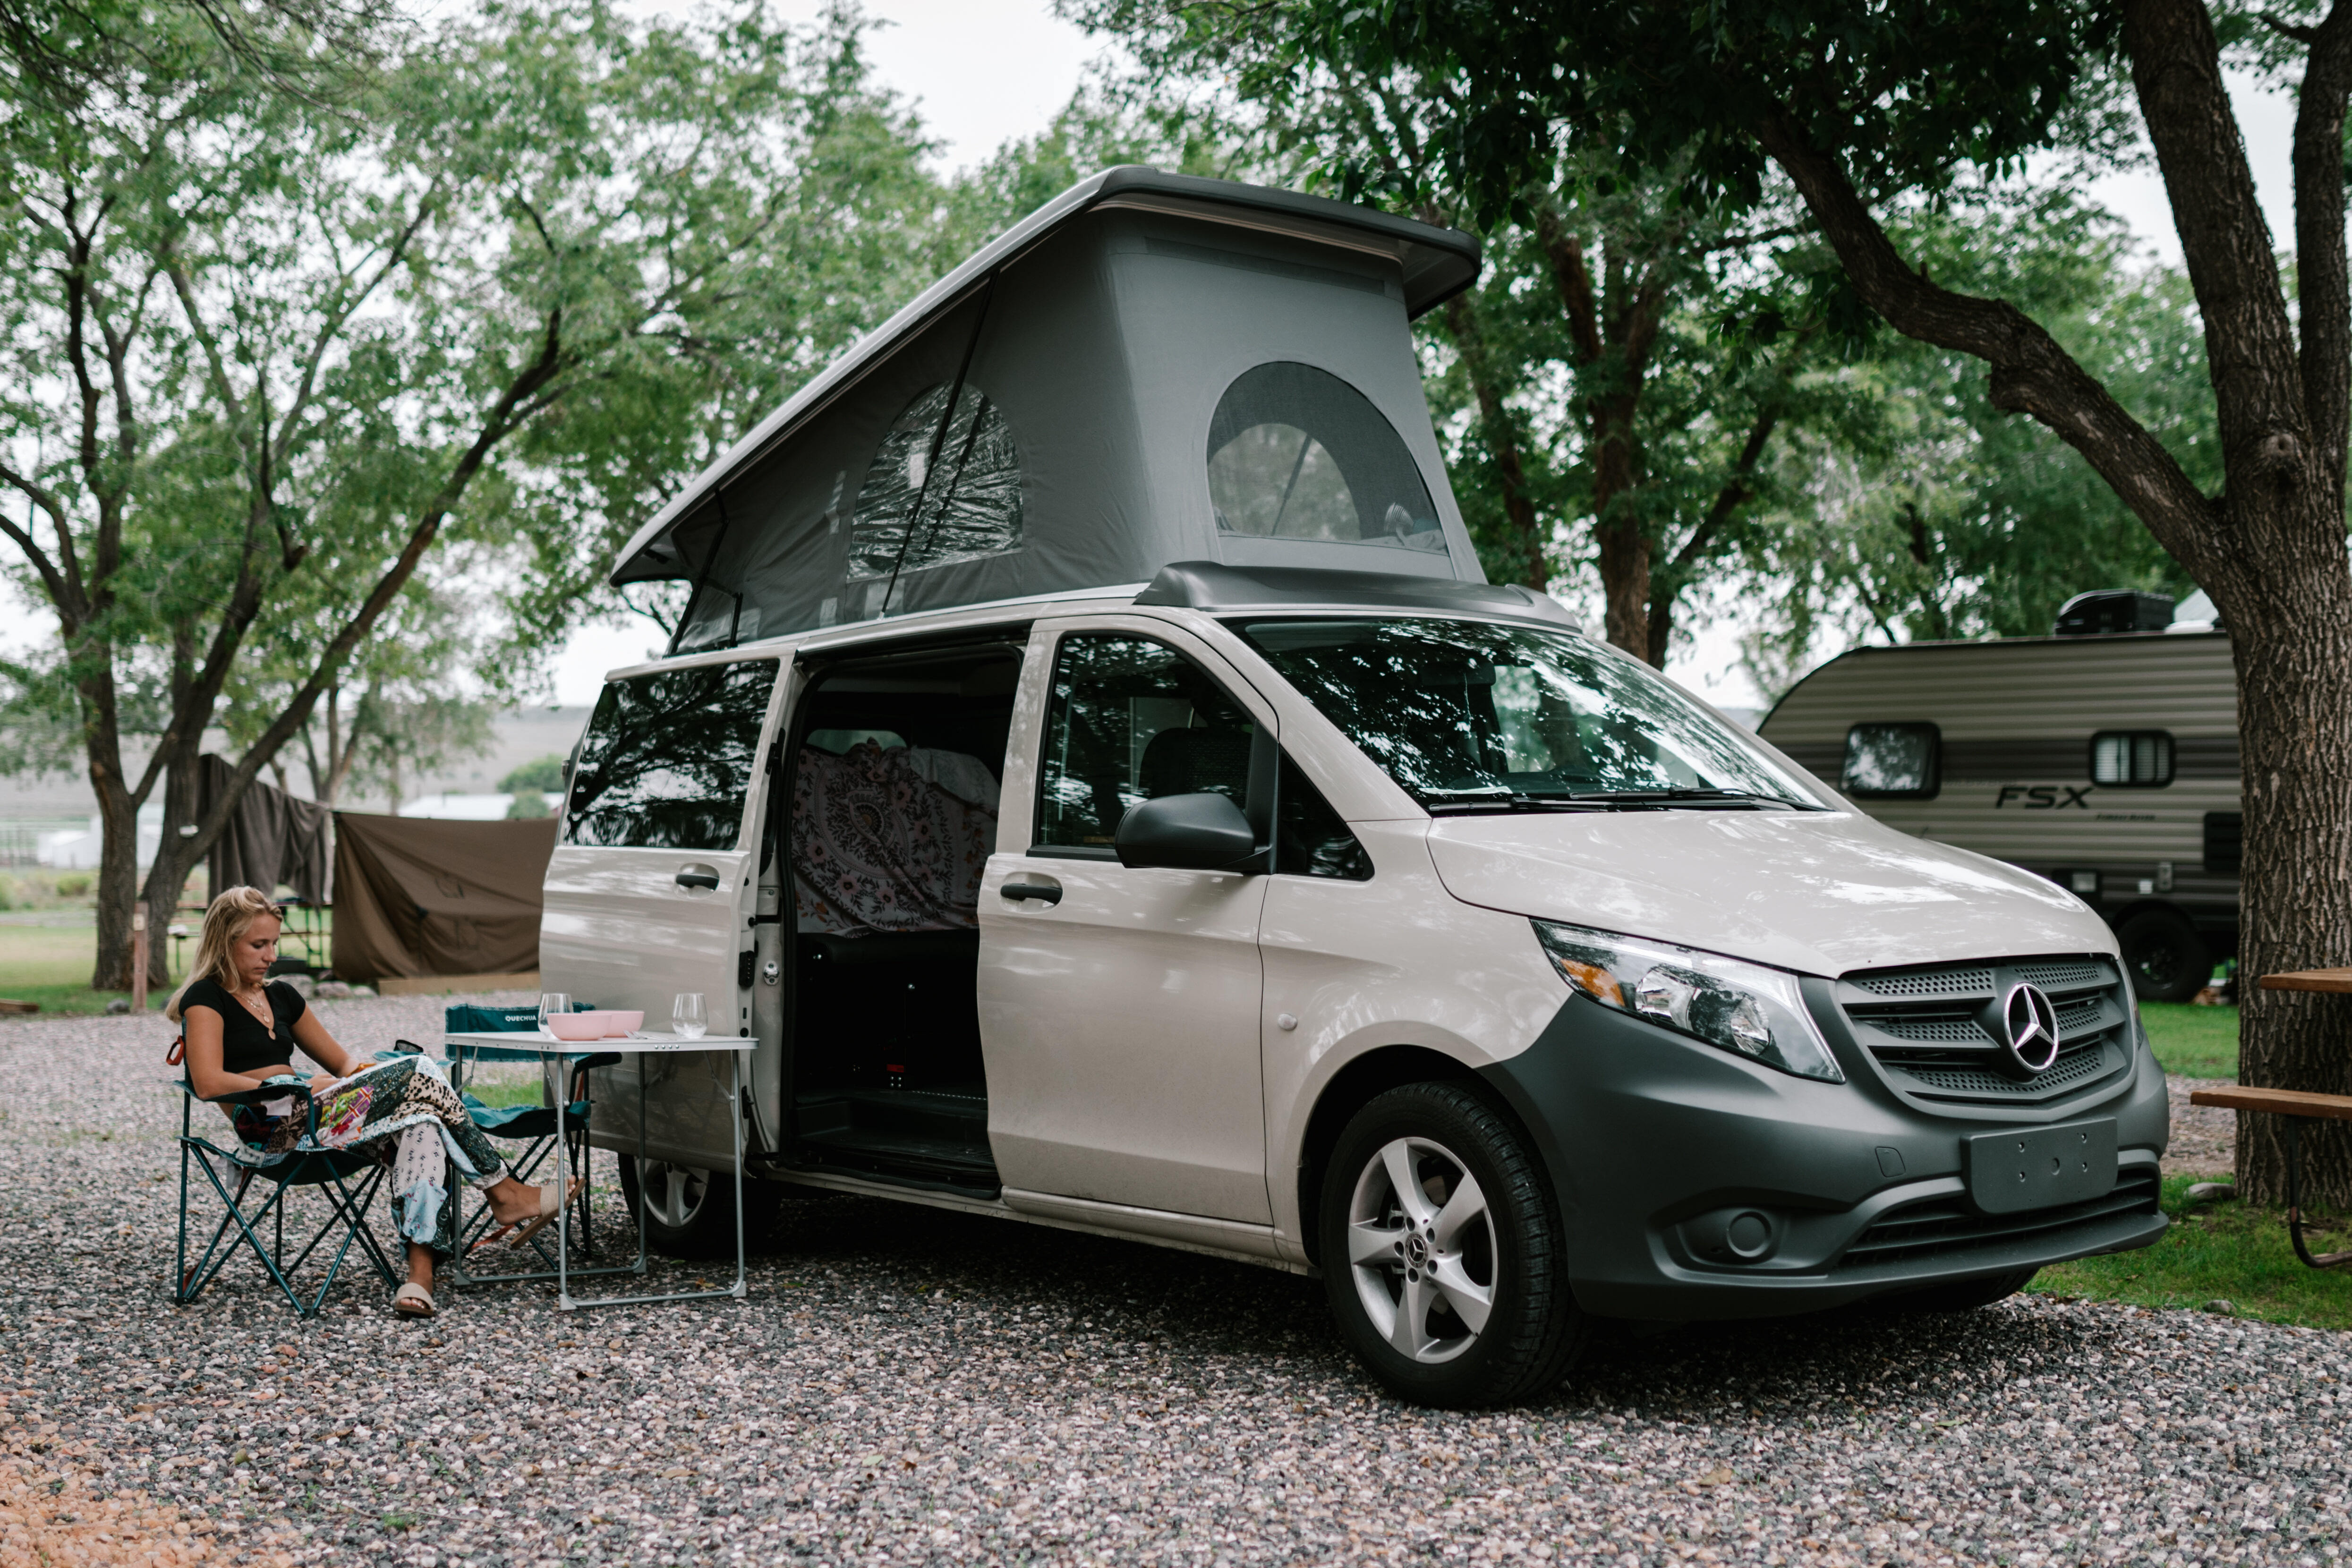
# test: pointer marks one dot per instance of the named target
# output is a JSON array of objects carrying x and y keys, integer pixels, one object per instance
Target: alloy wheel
[{"x": 1420, "y": 1245}]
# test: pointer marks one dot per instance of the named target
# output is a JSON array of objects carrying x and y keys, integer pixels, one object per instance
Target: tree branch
[
  {"x": 1574, "y": 278},
  {"x": 2031, "y": 373},
  {"x": 2324, "y": 313},
  {"x": 2176, "y": 61}
]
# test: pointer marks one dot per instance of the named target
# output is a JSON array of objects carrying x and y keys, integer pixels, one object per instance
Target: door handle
[
  {"x": 1043, "y": 892},
  {"x": 707, "y": 880}
]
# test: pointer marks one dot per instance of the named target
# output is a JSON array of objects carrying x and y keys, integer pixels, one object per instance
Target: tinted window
[
  {"x": 1891, "y": 760},
  {"x": 667, "y": 758},
  {"x": 1472, "y": 715},
  {"x": 2132, "y": 758},
  {"x": 1297, "y": 453},
  {"x": 1309, "y": 839},
  {"x": 1131, "y": 721},
  {"x": 914, "y": 512}
]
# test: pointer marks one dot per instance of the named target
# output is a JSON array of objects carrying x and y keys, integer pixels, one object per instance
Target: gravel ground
[
  {"x": 2204, "y": 1138},
  {"x": 904, "y": 1386}
]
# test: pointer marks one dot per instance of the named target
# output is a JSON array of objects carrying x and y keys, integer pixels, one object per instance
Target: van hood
[{"x": 1818, "y": 892}]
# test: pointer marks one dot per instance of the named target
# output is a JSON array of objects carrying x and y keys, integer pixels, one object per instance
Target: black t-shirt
[{"x": 246, "y": 1046}]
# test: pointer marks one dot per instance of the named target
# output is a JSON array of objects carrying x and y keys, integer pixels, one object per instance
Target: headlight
[{"x": 1744, "y": 1008}]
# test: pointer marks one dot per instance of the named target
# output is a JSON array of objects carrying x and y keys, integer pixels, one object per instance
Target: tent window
[
  {"x": 1297, "y": 453},
  {"x": 971, "y": 508},
  {"x": 668, "y": 758}
]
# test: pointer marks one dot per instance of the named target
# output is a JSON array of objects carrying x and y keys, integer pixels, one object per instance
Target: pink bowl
[
  {"x": 619, "y": 1025},
  {"x": 576, "y": 1026}
]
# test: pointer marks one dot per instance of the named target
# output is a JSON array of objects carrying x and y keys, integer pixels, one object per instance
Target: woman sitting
[{"x": 242, "y": 1030}]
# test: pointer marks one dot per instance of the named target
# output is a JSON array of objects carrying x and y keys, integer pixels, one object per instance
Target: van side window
[
  {"x": 1310, "y": 841},
  {"x": 2132, "y": 759},
  {"x": 1893, "y": 762},
  {"x": 667, "y": 758},
  {"x": 1132, "y": 719}
]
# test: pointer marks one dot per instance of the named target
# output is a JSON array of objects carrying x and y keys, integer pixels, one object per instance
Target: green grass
[
  {"x": 2194, "y": 1041},
  {"x": 47, "y": 958},
  {"x": 2224, "y": 1252}
]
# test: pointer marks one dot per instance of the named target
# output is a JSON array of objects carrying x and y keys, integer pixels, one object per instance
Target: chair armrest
[{"x": 292, "y": 1089}]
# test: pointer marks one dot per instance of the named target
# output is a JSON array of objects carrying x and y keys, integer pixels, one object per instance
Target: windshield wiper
[
  {"x": 1459, "y": 802},
  {"x": 1636, "y": 798}
]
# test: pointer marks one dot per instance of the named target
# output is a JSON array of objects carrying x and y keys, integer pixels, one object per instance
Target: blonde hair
[{"x": 226, "y": 918}]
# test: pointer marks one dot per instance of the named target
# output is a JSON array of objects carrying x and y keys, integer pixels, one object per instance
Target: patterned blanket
[{"x": 884, "y": 841}]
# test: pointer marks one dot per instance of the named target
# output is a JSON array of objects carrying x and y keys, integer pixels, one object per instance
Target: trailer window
[
  {"x": 2131, "y": 758},
  {"x": 1893, "y": 762}
]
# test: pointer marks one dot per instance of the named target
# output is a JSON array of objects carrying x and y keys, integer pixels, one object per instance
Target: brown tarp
[
  {"x": 429, "y": 896},
  {"x": 270, "y": 837}
]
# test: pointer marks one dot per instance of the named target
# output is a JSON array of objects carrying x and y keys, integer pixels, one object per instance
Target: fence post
[{"x": 139, "y": 958}]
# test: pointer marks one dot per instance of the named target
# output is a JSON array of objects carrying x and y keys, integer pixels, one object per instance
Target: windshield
[{"x": 1472, "y": 715}]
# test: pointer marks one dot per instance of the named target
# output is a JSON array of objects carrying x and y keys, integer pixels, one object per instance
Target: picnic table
[{"x": 2298, "y": 1106}]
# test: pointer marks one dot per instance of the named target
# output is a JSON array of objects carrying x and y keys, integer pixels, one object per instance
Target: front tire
[{"x": 1441, "y": 1251}]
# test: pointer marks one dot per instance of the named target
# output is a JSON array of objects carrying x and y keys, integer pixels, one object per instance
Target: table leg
[
  {"x": 563, "y": 1300},
  {"x": 2295, "y": 1202},
  {"x": 736, "y": 1108}
]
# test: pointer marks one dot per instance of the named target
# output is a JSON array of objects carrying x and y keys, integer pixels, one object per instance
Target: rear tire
[
  {"x": 2166, "y": 956},
  {"x": 1963, "y": 1296},
  {"x": 1442, "y": 1252},
  {"x": 690, "y": 1211}
]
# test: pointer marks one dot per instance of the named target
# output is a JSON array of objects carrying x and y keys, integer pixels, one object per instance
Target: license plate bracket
[{"x": 2041, "y": 1167}]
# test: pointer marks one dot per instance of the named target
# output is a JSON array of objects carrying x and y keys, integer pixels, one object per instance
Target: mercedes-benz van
[{"x": 1300, "y": 899}]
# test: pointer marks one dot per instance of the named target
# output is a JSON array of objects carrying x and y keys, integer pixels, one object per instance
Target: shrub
[
  {"x": 527, "y": 802},
  {"x": 73, "y": 885},
  {"x": 546, "y": 773},
  {"x": 8, "y": 894}
]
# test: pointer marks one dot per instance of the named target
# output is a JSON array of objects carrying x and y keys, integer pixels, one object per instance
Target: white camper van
[
  {"x": 1095, "y": 773},
  {"x": 2104, "y": 757}
]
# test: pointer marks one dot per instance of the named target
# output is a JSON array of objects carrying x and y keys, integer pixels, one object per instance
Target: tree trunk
[
  {"x": 1529, "y": 563},
  {"x": 118, "y": 876},
  {"x": 1619, "y": 530},
  {"x": 2295, "y": 727}
]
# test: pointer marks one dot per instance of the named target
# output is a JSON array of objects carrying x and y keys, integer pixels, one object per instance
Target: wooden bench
[{"x": 2296, "y": 1105}]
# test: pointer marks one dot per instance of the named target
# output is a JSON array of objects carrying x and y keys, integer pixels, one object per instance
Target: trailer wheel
[{"x": 2166, "y": 958}]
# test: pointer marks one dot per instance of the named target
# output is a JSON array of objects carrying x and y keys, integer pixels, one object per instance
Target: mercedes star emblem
[{"x": 2029, "y": 1028}]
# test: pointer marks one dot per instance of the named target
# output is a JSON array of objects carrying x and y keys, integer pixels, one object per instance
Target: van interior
[{"x": 893, "y": 816}]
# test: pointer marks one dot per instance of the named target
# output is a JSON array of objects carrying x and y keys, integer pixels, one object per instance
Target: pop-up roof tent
[{"x": 1150, "y": 368}]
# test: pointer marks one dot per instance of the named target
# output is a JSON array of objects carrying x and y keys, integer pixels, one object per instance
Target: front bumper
[{"x": 1695, "y": 1183}]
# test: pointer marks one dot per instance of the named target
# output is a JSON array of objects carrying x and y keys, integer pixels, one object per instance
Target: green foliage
[
  {"x": 527, "y": 805},
  {"x": 544, "y": 774},
  {"x": 73, "y": 885},
  {"x": 1922, "y": 511},
  {"x": 1908, "y": 97}
]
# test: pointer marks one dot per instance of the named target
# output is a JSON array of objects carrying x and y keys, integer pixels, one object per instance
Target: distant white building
[
  {"x": 470, "y": 807},
  {"x": 72, "y": 851}
]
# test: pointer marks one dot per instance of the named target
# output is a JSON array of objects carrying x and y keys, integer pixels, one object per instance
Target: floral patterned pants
[{"x": 404, "y": 1114}]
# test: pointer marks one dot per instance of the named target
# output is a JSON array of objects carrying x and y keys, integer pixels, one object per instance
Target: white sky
[{"x": 986, "y": 71}]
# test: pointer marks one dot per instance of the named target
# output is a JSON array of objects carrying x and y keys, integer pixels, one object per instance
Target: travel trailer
[
  {"x": 2104, "y": 757},
  {"x": 1093, "y": 772}
]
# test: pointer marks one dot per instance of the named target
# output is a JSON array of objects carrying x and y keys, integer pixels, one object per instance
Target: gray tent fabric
[
  {"x": 270, "y": 837},
  {"x": 418, "y": 895},
  {"x": 1074, "y": 416}
]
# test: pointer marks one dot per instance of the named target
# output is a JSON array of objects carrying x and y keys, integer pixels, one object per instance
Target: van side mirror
[{"x": 1188, "y": 833}]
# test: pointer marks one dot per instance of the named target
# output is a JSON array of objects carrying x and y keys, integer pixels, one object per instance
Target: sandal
[
  {"x": 549, "y": 1206},
  {"x": 413, "y": 1301}
]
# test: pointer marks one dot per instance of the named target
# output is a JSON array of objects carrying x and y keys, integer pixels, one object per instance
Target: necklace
[{"x": 258, "y": 1006}]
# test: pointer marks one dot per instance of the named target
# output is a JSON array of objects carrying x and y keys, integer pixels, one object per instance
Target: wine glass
[
  {"x": 688, "y": 1018},
  {"x": 550, "y": 1003}
]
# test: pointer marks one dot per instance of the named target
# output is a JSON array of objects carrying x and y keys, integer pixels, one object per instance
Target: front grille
[
  {"x": 1930, "y": 1026},
  {"x": 1939, "y": 1227}
]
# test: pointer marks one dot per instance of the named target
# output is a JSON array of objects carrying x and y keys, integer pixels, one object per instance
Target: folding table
[{"x": 549, "y": 1048}]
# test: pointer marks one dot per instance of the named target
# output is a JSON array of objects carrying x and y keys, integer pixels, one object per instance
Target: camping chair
[
  {"x": 234, "y": 1173},
  {"x": 535, "y": 1127}
]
